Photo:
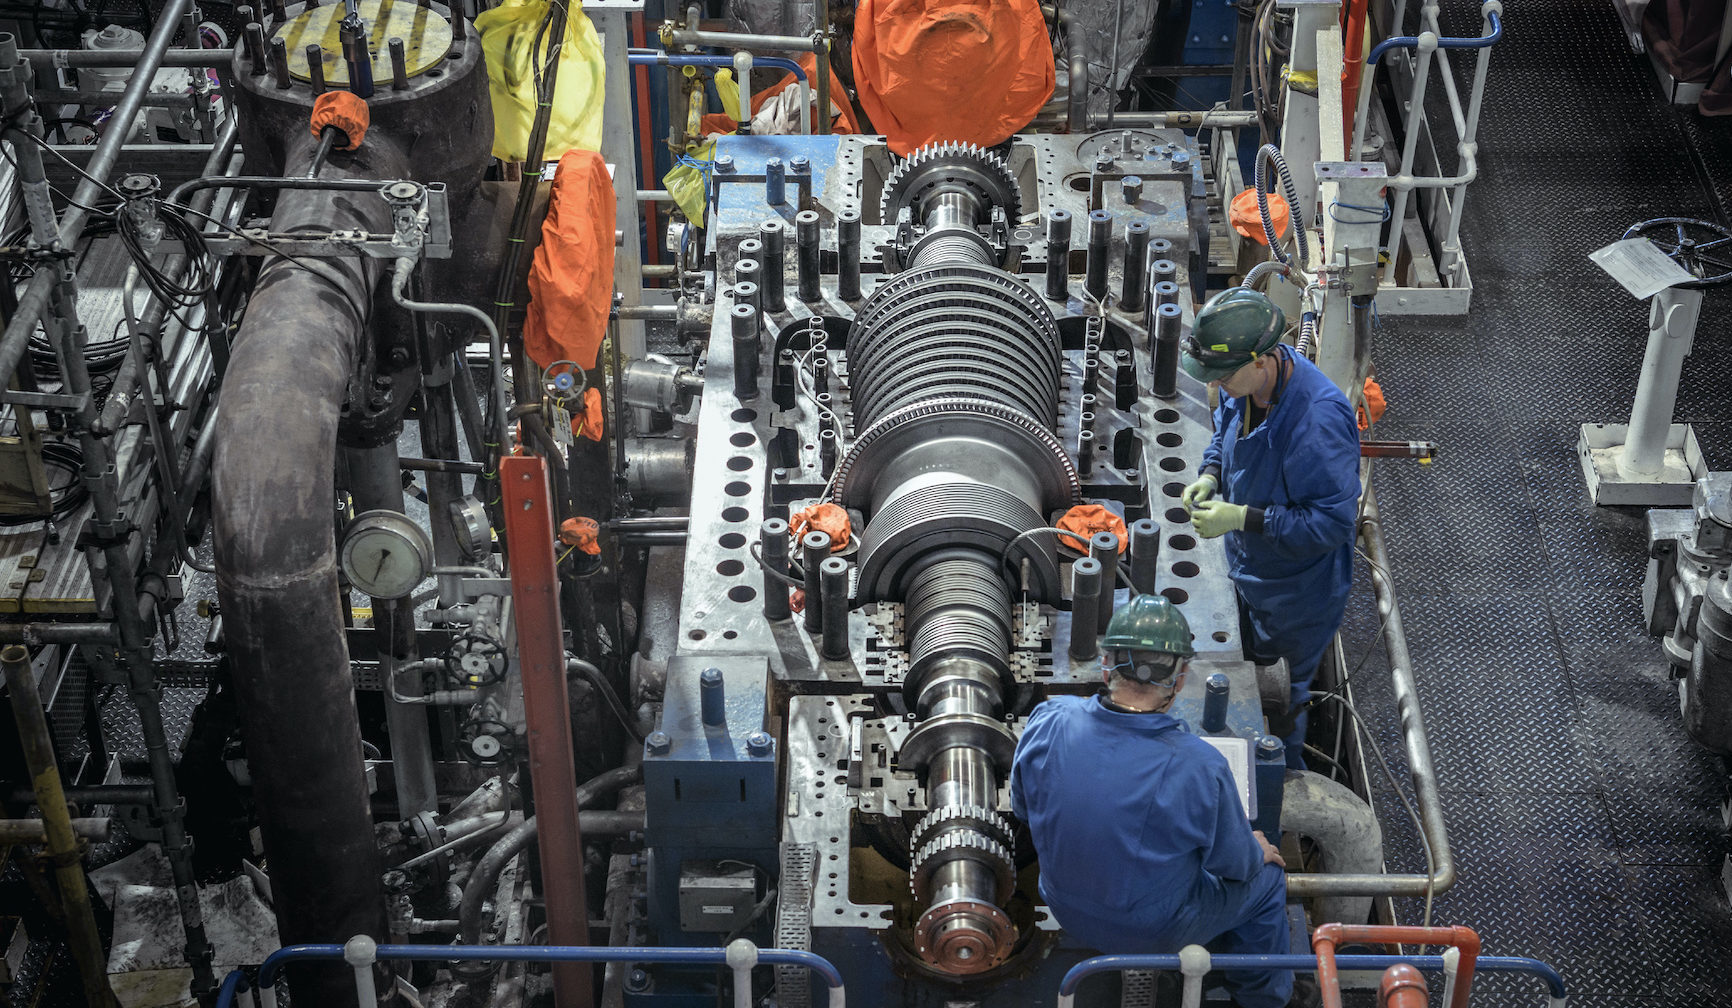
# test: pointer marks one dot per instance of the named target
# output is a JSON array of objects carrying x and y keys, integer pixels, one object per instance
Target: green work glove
[
  {"x": 1197, "y": 492},
  {"x": 1213, "y": 518}
]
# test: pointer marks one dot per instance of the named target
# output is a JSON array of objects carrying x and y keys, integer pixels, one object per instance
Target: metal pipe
[
  {"x": 95, "y": 179},
  {"x": 746, "y": 327},
  {"x": 1185, "y": 120},
  {"x": 1145, "y": 554},
  {"x": 1104, "y": 548},
  {"x": 485, "y": 878},
  {"x": 806, "y": 243},
  {"x": 773, "y": 554},
  {"x": 51, "y": 59},
  {"x": 1414, "y": 742},
  {"x": 1136, "y": 278},
  {"x": 35, "y": 831},
  {"x": 1100, "y": 239},
  {"x": 1426, "y": 44},
  {"x": 848, "y": 254},
  {"x": 37, "y": 743},
  {"x": 94, "y": 794},
  {"x": 773, "y": 233},
  {"x": 277, "y": 579},
  {"x": 833, "y": 586},
  {"x": 1164, "y": 381},
  {"x": 1058, "y": 254},
  {"x": 815, "y": 547},
  {"x": 1077, "y": 91},
  {"x": 1085, "y": 580},
  {"x": 688, "y": 37},
  {"x": 57, "y": 633}
]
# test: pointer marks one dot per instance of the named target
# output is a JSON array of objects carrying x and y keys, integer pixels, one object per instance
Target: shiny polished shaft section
[{"x": 955, "y": 369}]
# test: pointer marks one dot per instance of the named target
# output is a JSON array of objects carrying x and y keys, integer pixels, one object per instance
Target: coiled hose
[{"x": 1271, "y": 154}]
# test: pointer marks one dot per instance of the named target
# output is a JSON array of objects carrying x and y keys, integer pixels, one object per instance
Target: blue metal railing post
[
  {"x": 273, "y": 965},
  {"x": 1306, "y": 963}
]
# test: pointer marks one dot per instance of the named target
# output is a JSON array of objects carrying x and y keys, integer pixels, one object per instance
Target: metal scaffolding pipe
[
  {"x": 95, "y": 179},
  {"x": 37, "y": 743}
]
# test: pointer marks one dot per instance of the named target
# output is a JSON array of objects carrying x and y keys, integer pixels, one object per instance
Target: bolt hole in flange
[{"x": 731, "y": 540}]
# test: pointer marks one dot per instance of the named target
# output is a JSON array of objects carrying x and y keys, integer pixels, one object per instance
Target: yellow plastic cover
[{"x": 508, "y": 38}]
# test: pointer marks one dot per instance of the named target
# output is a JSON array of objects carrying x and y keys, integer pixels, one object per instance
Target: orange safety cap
[
  {"x": 571, "y": 280},
  {"x": 842, "y": 122},
  {"x": 970, "y": 70},
  {"x": 344, "y": 110},
  {"x": 582, "y": 534},
  {"x": 828, "y": 518},
  {"x": 1246, "y": 219},
  {"x": 1087, "y": 519},
  {"x": 1375, "y": 405}
]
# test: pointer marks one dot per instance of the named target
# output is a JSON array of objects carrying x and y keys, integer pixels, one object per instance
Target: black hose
[
  {"x": 485, "y": 878},
  {"x": 593, "y": 676}
]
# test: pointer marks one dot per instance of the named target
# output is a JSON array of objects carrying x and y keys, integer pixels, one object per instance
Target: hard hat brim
[{"x": 1203, "y": 372}]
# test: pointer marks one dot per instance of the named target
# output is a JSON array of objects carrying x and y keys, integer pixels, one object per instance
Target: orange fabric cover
[
  {"x": 969, "y": 70},
  {"x": 1375, "y": 404},
  {"x": 1248, "y": 222},
  {"x": 1087, "y": 519},
  {"x": 582, "y": 534},
  {"x": 344, "y": 110},
  {"x": 828, "y": 518},
  {"x": 589, "y": 421},
  {"x": 723, "y": 122},
  {"x": 571, "y": 280}
]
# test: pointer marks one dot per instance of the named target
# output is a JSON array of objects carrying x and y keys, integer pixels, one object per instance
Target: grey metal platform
[{"x": 1586, "y": 825}]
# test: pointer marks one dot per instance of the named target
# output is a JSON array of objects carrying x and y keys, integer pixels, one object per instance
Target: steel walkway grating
[{"x": 1585, "y": 824}]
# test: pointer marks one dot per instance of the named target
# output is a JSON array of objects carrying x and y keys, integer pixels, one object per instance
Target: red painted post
[{"x": 547, "y": 710}]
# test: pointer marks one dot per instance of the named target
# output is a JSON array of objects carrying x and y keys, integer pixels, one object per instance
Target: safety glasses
[
  {"x": 1145, "y": 666},
  {"x": 1217, "y": 358}
]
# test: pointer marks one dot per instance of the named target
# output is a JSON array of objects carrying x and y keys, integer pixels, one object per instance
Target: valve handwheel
[{"x": 1703, "y": 248}]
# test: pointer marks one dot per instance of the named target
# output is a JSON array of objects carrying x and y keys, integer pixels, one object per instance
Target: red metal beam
[{"x": 547, "y": 710}]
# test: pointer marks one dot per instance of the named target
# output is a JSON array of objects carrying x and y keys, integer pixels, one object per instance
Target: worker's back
[{"x": 1134, "y": 820}]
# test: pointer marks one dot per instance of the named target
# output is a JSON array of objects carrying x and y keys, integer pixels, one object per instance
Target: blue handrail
[
  {"x": 1304, "y": 963},
  {"x": 676, "y": 59},
  {"x": 272, "y": 967},
  {"x": 1445, "y": 42}
]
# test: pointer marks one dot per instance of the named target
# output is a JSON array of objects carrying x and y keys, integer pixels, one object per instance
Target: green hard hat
[
  {"x": 1149, "y": 623},
  {"x": 1233, "y": 329}
]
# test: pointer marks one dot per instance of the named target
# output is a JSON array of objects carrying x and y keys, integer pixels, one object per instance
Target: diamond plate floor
[{"x": 1585, "y": 825}]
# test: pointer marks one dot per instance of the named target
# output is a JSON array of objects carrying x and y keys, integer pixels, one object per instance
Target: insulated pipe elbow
[
  {"x": 1344, "y": 829},
  {"x": 272, "y": 491}
]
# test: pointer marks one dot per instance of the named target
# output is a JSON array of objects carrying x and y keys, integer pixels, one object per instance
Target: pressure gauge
[{"x": 386, "y": 554}]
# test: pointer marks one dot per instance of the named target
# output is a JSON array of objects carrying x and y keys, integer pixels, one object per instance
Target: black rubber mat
[{"x": 1585, "y": 824}]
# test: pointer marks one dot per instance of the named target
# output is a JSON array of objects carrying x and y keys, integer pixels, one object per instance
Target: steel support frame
[
  {"x": 1650, "y": 461},
  {"x": 619, "y": 148},
  {"x": 527, "y": 500}
]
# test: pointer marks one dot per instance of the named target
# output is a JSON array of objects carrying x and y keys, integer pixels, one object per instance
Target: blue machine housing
[{"x": 709, "y": 788}]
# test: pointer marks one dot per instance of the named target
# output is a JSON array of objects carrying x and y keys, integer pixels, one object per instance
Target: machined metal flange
[{"x": 976, "y": 731}]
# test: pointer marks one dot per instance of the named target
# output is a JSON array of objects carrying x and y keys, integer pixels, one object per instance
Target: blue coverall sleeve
[
  {"x": 1233, "y": 853},
  {"x": 1321, "y": 470},
  {"x": 1212, "y": 454},
  {"x": 1018, "y": 804}
]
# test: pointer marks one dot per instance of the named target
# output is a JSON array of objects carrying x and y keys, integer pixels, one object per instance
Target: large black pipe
[{"x": 273, "y": 484}]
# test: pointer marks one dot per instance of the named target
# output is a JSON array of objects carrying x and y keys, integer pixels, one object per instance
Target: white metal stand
[{"x": 1650, "y": 461}]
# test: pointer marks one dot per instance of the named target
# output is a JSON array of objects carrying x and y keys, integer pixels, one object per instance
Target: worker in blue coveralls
[
  {"x": 1143, "y": 841},
  {"x": 1280, "y": 480}
]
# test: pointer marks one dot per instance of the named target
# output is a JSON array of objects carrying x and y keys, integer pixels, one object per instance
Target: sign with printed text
[{"x": 1640, "y": 266}]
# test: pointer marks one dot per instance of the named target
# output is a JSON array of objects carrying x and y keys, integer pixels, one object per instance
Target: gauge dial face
[{"x": 386, "y": 554}]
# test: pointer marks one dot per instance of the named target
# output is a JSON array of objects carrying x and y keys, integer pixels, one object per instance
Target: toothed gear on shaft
[{"x": 950, "y": 167}]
